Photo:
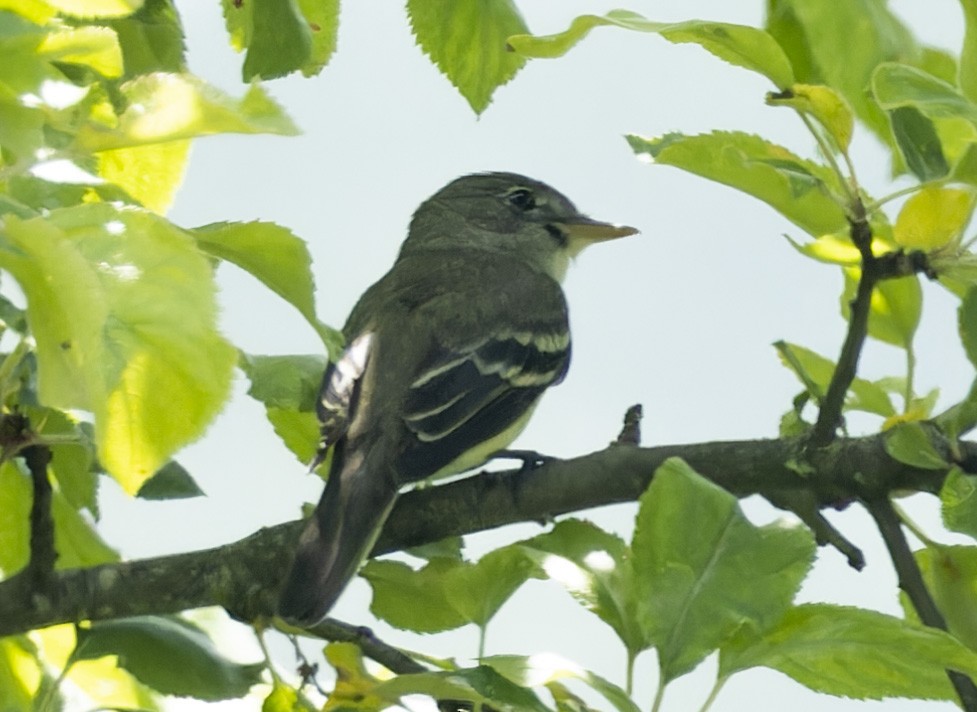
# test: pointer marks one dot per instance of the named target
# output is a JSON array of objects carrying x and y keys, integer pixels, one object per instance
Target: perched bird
[{"x": 447, "y": 355}]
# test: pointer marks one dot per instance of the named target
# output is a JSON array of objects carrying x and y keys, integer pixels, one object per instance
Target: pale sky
[{"x": 680, "y": 318}]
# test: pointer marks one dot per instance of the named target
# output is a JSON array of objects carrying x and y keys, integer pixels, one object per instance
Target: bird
[{"x": 447, "y": 355}]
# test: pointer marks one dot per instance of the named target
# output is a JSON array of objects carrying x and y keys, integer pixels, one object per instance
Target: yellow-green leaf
[
  {"x": 151, "y": 173},
  {"x": 96, "y": 8},
  {"x": 169, "y": 107},
  {"x": 739, "y": 45},
  {"x": 92, "y": 46},
  {"x": 933, "y": 217},
  {"x": 122, "y": 306},
  {"x": 824, "y": 104},
  {"x": 800, "y": 190}
]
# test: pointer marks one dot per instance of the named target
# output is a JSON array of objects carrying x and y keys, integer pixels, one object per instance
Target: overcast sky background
[{"x": 680, "y": 318}]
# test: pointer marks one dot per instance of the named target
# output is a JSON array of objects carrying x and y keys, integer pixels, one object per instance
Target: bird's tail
[{"x": 337, "y": 538}]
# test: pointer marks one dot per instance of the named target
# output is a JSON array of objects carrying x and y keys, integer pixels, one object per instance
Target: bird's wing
[{"x": 339, "y": 392}]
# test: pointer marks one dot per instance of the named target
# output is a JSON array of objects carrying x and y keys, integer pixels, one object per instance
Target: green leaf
[
  {"x": 467, "y": 42},
  {"x": 898, "y": 85},
  {"x": 21, "y": 673},
  {"x": 967, "y": 324},
  {"x": 817, "y": 38},
  {"x": 481, "y": 685},
  {"x": 704, "y": 571},
  {"x": 285, "y": 381},
  {"x": 275, "y": 256},
  {"x": 72, "y": 462},
  {"x": 169, "y": 655},
  {"x": 896, "y": 307},
  {"x": 958, "y": 498},
  {"x": 122, "y": 306},
  {"x": 413, "y": 600},
  {"x": 950, "y": 573},
  {"x": 967, "y": 77},
  {"x": 909, "y": 443},
  {"x": 852, "y": 652},
  {"x": 280, "y": 40},
  {"x": 544, "y": 669},
  {"x": 919, "y": 143},
  {"x": 798, "y": 189},
  {"x": 322, "y": 17},
  {"x": 151, "y": 39},
  {"x": 595, "y": 567},
  {"x": 151, "y": 174},
  {"x": 815, "y": 373},
  {"x": 75, "y": 539},
  {"x": 169, "y": 107},
  {"x": 90, "y": 46},
  {"x": 446, "y": 593},
  {"x": 823, "y": 104},
  {"x": 740, "y": 45},
  {"x": 933, "y": 217},
  {"x": 299, "y": 431},
  {"x": 171, "y": 481},
  {"x": 478, "y": 590}
]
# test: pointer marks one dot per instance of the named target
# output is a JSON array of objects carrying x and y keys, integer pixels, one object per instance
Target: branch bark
[{"x": 244, "y": 576}]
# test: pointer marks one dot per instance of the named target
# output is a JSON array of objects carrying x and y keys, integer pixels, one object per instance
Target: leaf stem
[
  {"x": 713, "y": 694},
  {"x": 659, "y": 694},
  {"x": 629, "y": 672},
  {"x": 847, "y": 181}
]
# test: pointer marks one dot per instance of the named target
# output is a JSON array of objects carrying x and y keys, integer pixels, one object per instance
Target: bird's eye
[{"x": 522, "y": 198}]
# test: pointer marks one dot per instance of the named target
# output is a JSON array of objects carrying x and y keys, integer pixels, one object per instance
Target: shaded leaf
[
  {"x": 919, "y": 143},
  {"x": 853, "y": 652},
  {"x": 704, "y": 571},
  {"x": 958, "y": 498},
  {"x": 908, "y": 443},
  {"x": 170, "y": 655},
  {"x": 171, "y": 481},
  {"x": 895, "y": 309}
]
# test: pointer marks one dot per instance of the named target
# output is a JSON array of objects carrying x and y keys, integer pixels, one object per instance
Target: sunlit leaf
[
  {"x": 467, "y": 42},
  {"x": 739, "y": 45},
  {"x": 799, "y": 190},
  {"x": 170, "y": 107},
  {"x": 822, "y": 103},
  {"x": 933, "y": 217},
  {"x": 544, "y": 669},
  {"x": 123, "y": 309}
]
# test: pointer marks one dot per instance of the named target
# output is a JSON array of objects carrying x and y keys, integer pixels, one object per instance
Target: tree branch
[{"x": 244, "y": 576}]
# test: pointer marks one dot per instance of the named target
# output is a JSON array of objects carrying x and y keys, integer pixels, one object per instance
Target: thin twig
[
  {"x": 42, "y": 551},
  {"x": 911, "y": 581},
  {"x": 829, "y": 415}
]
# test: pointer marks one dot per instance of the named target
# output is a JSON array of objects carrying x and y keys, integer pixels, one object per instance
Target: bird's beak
[{"x": 586, "y": 230}]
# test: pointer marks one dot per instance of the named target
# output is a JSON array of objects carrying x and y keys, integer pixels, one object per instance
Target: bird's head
[{"x": 507, "y": 213}]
